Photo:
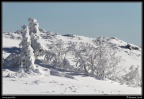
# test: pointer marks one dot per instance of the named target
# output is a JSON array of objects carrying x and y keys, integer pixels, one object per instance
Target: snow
[
  {"x": 7, "y": 42},
  {"x": 61, "y": 85},
  {"x": 52, "y": 84},
  {"x": 53, "y": 81},
  {"x": 118, "y": 42}
]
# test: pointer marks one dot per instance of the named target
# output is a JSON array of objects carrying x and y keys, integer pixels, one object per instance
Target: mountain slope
[{"x": 72, "y": 78}]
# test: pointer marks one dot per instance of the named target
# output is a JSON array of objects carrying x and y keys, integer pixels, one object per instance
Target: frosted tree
[
  {"x": 133, "y": 77},
  {"x": 50, "y": 58},
  {"x": 99, "y": 61},
  {"x": 35, "y": 37},
  {"x": 64, "y": 64},
  {"x": 80, "y": 53},
  {"x": 62, "y": 51},
  {"x": 27, "y": 56},
  {"x": 106, "y": 60},
  {"x": 56, "y": 56},
  {"x": 33, "y": 26}
]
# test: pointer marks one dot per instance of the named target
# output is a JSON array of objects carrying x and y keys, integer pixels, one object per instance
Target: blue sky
[{"x": 92, "y": 19}]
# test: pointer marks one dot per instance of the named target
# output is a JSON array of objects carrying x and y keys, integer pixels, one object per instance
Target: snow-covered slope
[
  {"x": 55, "y": 85},
  {"x": 65, "y": 81}
]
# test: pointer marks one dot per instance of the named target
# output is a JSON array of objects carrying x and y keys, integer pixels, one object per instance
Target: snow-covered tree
[
  {"x": 35, "y": 37},
  {"x": 56, "y": 56},
  {"x": 53, "y": 56},
  {"x": 65, "y": 64},
  {"x": 133, "y": 77},
  {"x": 27, "y": 56},
  {"x": 33, "y": 26},
  {"x": 50, "y": 58},
  {"x": 105, "y": 60},
  {"x": 100, "y": 61}
]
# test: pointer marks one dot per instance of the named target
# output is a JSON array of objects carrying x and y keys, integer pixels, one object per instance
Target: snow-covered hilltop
[{"x": 34, "y": 51}]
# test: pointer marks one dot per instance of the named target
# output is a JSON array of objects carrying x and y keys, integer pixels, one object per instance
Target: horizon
[{"x": 120, "y": 20}]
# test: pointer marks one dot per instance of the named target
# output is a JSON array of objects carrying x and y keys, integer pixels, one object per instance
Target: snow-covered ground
[
  {"x": 69, "y": 59},
  {"x": 59, "y": 85},
  {"x": 49, "y": 84}
]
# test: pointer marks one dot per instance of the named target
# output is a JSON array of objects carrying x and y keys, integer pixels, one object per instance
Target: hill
[{"x": 82, "y": 65}]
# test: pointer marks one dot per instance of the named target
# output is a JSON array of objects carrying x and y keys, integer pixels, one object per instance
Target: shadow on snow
[
  {"x": 12, "y": 50},
  {"x": 40, "y": 63}
]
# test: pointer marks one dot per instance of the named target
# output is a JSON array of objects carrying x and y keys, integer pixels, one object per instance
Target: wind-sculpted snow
[{"x": 52, "y": 54}]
